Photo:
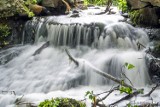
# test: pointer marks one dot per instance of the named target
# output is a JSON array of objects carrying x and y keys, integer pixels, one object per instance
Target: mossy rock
[
  {"x": 156, "y": 50},
  {"x": 144, "y": 17},
  {"x": 62, "y": 102}
]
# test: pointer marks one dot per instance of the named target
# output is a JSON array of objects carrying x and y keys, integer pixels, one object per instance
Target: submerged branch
[
  {"x": 153, "y": 89},
  {"x": 129, "y": 96},
  {"x": 39, "y": 50},
  {"x": 109, "y": 92},
  {"x": 72, "y": 58},
  {"x": 106, "y": 75}
]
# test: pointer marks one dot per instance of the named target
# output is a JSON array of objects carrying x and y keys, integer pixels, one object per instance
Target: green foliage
[
  {"x": 122, "y": 5},
  {"x": 124, "y": 89},
  {"x": 4, "y": 32},
  {"x": 136, "y": 17},
  {"x": 141, "y": 91},
  {"x": 61, "y": 102},
  {"x": 27, "y": 2},
  {"x": 129, "y": 105},
  {"x": 115, "y": 2},
  {"x": 90, "y": 95},
  {"x": 129, "y": 66},
  {"x": 11, "y": 7},
  {"x": 95, "y": 2}
]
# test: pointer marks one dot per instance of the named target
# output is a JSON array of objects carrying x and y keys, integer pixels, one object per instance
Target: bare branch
[
  {"x": 39, "y": 50},
  {"x": 129, "y": 96},
  {"x": 106, "y": 75},
  {"x": 153, "y": 89},
  {"x": 72, "y": 58}
]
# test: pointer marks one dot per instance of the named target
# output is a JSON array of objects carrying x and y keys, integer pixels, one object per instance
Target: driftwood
[
  {"x": 39, "y": 50},
  {"x": 106, "y": 75},
  {"x": 129, "y": 96}
]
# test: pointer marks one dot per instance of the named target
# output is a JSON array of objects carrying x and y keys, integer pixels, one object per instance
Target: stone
[
  {"x": 50, "y": 3},
  {"x": 137, "y": 4},
  {"x": 75, "y": 15},
  {"x": 153, "y": 2}
]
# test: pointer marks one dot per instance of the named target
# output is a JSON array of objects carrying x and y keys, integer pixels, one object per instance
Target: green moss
[
  {"x": 61, "y": 102},
  {"x": 11, "y": 7},
  {"x": 136, "y": 16},
  {"x": 122, "y": 5}
]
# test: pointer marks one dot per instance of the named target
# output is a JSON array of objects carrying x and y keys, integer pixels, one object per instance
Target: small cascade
[
  {"x": 95, "y": 34},
  {"x": 106, "y": 45}
]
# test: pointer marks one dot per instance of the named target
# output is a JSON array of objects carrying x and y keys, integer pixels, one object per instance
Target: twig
[
  {"x": 110, "y": 91},
  {"x": 18, "y": 101},
  {"x": 127, "y": 97},
  {"x": 139, "y": 45},
  {"x": 39, "y": 50},
  {"x": 72, "y": 58},
  {"x": 12, "y": 92},
  {"x": 106, "y": 75},
  {"x": 153, "y": 89}
]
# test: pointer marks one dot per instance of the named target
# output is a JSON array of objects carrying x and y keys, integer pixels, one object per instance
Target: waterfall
[{"x": 106, "y": 44}]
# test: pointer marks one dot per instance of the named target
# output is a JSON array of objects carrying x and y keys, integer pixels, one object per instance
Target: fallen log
[
  {"x": 98, "y": 71},
  {"x": 39, "y": 50},
  {"x": 72, "y": 58}
]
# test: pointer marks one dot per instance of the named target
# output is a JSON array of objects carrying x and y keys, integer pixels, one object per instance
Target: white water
[{"x": 52, "y": 73}]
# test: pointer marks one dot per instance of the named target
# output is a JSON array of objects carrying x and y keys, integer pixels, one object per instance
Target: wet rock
[
  {"x": 90, "y": 5},
  {"x": 125, "y": 15},
  {"x": 153, "y": 33},
  {"x": 75, "y": 11},
  {"x": 156, "y": 49},
  {"x": 146, "y": 16},
  {"x": 154, "y": 67},
  {"x": 75, "y": 15},
  {"x": 50, "y": 3},
  {"x": 153, "y": 2},
  {"x": 137, "y": 4}
]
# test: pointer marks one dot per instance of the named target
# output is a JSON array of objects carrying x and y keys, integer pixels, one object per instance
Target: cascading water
[{"x": 107, "y": 44}]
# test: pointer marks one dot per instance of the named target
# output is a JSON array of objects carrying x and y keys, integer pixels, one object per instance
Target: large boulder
[
  {"x": 137, "y": 4},
  {"x": 145, "y": 16},
  {"x": 153, "y": 2},
  {"x": 50, "y": 3},
  {"x": 145, "y": 12}
]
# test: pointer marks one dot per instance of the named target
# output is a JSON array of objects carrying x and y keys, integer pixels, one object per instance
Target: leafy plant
[
  {"x": 129, "y": 66},
  {"x": 129, "y": 105},
  {"x": 61, "y": 102},
  {"x": 95, "y": 2},
  {"x": 4, "y": 33},
  {"x": 122, "y": 5},
  {"x": 124, "y": 89},
  {"x": 92, "y": 97}
]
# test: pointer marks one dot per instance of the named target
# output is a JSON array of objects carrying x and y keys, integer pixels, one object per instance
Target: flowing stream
[{"x": 99, "y": 41}]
